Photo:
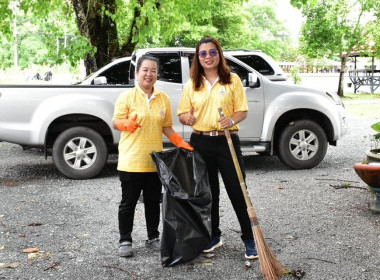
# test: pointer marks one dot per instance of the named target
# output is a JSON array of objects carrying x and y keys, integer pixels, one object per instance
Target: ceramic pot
[{"x": 370, "y": 174}]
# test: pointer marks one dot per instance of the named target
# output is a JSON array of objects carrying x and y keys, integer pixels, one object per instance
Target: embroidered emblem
[
  {"x": 162, "y": 113},
  {"x": 222, "y": 91}
]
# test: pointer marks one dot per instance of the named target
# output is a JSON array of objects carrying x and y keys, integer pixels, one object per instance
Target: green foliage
[
  {"x": 6, "y": 57},
  {"x": 266, "y": 31},
  {"x": 376, "y": 127},
  {"x": 50, "y": 30},
  {"x": 303, "y": 3},
  {"x": 336, "y": 27},
  {"x": 295, "y": 75},
  {"x": 251, "y": 25},
  {"x": 376, "y": 137},
  {"x": 43, "y": 37}
]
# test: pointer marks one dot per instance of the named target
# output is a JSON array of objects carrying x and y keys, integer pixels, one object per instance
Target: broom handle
[{"x": 236, "y": 163}]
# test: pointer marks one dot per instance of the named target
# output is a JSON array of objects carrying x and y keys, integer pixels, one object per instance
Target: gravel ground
[{"x": 310, "y": 222}]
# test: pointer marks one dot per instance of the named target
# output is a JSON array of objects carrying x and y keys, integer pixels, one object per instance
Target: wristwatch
[{"x": 232, "y": 122}]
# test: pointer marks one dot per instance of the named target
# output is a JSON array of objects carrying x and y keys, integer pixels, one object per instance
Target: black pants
[
  {"x": 131, "y": 185},
  {"x": 217, "y": 155}
]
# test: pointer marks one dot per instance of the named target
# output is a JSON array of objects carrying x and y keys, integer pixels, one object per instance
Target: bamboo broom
[{"x": 270, "y": 267}]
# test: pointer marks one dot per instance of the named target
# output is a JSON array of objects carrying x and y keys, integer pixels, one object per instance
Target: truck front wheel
[
  {"x": 302, "y": 144},
  {"x": 79, "y": 153}
]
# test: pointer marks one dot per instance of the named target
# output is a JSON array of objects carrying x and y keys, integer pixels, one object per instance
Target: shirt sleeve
[
  {"x": 185, "y": 102},
  {"x": 121, "y": 107},
  {"x": 240, "y": 97},
  {"x": 168, "y": 121}
]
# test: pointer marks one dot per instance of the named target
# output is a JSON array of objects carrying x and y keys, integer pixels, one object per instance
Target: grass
[
  {"x": 364, "y": 107},
  {"x": 361, "y": 96}
]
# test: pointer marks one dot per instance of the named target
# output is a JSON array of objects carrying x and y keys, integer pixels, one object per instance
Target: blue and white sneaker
[
  {"x": 215, "y": 243},
  {"x": 250, "y": 249}
]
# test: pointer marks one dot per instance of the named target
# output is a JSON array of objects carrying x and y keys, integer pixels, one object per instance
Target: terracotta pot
[{"x": 369, "y": 173}]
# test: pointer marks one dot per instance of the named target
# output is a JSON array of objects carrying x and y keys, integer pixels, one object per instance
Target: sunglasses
[{"x": 212, "y": 53}]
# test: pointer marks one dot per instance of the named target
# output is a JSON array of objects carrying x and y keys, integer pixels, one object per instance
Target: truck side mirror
[
  {"x": 100, "y": 81},
  {"x": 253, "y": 80}
]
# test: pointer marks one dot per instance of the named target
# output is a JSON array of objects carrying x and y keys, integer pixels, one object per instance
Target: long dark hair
[{"x": 197, "y": 71}]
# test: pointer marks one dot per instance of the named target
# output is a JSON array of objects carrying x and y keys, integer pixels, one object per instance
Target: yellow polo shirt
[
  {"x": 231, "y": 98},
  {"x": 153, "y": 116}
]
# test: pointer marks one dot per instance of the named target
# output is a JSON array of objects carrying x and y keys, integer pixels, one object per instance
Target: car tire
[
  {"x": 80, "y": 153},
  {"x": 302, "y": 144}
]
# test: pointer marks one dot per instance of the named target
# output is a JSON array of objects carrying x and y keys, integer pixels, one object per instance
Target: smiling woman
[{"x": 142, "y": 114}]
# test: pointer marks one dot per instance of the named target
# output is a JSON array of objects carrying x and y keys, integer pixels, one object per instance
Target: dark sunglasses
[{"x": 212, "y": 53}]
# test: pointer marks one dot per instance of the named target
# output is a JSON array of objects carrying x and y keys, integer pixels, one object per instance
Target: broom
[{"x": 270, "y": 267}]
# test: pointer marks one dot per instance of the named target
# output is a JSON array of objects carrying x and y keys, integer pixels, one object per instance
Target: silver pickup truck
[{"x": 73, "y": 123}]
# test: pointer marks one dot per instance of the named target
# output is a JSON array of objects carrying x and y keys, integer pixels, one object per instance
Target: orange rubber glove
[
  {"x": 177, "y": 140},
  {"x": 128, "y": 124}
]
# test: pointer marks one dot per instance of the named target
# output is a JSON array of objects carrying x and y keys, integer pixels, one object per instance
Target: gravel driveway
[{"x": 310, "y": 220}]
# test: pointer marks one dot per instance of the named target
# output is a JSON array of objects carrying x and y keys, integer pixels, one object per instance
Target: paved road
[{"x": 310, "y": 222}]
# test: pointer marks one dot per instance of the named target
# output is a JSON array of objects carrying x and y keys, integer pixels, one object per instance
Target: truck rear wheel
[
  {"x": 80, "y": 153},
  {"x": 302, "y": 144}
]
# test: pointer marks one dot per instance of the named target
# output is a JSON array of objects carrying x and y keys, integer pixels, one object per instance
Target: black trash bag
[{"x": 186, "y": 205}]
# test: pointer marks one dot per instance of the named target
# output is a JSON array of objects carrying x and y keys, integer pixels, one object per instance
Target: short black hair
[{"x": 145, "y": 57}]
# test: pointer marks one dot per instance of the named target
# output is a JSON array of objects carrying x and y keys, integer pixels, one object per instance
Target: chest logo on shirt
[
  {"x": 162, "y": 113},
  {"x": 222, "y": 91}
]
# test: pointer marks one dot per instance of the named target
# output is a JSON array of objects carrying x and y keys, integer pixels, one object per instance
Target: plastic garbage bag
[{"x": 186, "y": 205}]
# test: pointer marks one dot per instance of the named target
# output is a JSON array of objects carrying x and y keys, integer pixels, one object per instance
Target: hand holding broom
[{"x": 270, "y": 267}]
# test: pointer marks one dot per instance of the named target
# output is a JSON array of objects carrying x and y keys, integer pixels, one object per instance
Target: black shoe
[
  {"x": 250, "y": 249},
  {"x": 215, "y": 243}
]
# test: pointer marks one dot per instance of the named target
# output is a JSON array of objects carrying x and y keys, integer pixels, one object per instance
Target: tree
[
  {"x": 337, "y": 27},
  {"x": 252, "y": 25},
  {"x": 301, "y": 3},
  {"x": 47, "y": 30},
  {"x": 265, "y": 31},
  {"x": 112, "y": 28},
  {"x": 104, "y": 29}
]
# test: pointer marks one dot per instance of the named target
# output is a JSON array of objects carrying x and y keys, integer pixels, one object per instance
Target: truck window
[
  {"x": 169, "y": 67},
  {"x": 117, "y": 74},
  {"x": 239, "y": 70},
  {"x": 257, "y": 63}
]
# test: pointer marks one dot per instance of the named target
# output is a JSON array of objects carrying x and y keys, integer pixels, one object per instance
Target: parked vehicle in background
[
  {"x": 261, "y": 62},
  {"x": 73, "y": 123},
  {"x": 114, "y": 73}
]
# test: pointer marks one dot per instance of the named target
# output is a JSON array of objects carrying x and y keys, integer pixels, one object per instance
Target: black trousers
[
  {"x": 132, "y": 183},
  {"x": 217, "y": 155}
]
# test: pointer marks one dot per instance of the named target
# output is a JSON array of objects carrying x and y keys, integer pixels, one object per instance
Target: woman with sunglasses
[
  {"x": 211, "y": 86},
  {"x": 143, "y": 114}
]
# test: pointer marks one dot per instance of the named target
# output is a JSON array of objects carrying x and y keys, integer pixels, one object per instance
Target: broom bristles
[{"x": 270, "y": 266}]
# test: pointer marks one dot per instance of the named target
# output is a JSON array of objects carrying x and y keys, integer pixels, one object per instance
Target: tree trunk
[
  {"x": 129, "y": 46},
  {"x": 90, "y": 61},
  {"x": 100, "y": 29},
  {"x": 343, "y": 60}
]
